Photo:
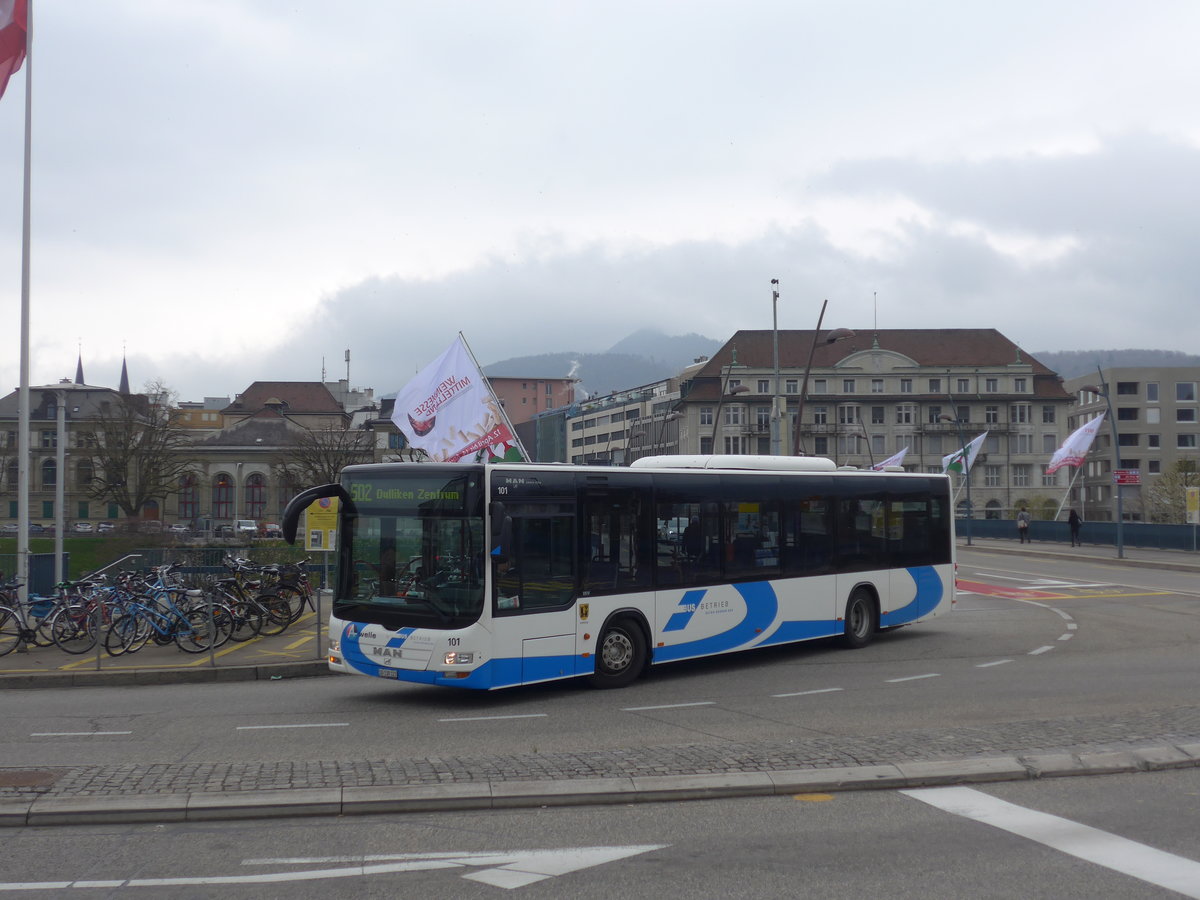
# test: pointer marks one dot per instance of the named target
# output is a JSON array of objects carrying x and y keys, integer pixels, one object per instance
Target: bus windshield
[{"x": 416, "y": 550}]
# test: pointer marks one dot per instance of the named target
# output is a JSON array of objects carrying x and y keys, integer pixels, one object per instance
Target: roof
[{"x": 297, "y": 397}]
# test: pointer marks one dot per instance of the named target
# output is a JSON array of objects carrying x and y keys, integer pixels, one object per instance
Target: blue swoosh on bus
[{"x": 761, "y": 608}]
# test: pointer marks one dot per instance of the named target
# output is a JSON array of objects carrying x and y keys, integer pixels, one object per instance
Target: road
[{"x": 1123, "y": 836}]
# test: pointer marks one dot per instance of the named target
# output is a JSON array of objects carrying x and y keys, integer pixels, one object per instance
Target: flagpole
[
  {"x": 1070, "y": 485},
  {"x": 499, "y": 405},
  {"x": 23, "y": 390}
]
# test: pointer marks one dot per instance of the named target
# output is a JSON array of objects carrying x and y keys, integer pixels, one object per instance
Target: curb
[
  {"x": 191, "y": 675},
  {"x": 1054, "y": 553},
  {"x": 345, "y": 801}
]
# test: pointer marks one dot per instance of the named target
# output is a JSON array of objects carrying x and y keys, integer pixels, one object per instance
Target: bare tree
[
  {"x": 139, "y": 450},
  {"x": 318, "y": 455},
  {"x": 1166, "y": 501}
]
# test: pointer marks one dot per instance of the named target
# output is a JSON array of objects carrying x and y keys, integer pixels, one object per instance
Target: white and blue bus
[{"x": 494, "y": 575}]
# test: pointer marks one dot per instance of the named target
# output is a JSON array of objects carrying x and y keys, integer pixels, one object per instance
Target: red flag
[{"x": 13, "y": 28}]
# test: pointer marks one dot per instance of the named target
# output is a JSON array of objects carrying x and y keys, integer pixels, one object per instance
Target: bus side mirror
[
  {"x": 501, "y": 533},
  {"x": 299, "y": 503}
]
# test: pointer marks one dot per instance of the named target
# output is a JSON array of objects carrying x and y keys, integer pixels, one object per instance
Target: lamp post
[
  {"x": 776, "y": 424},
  {"x": 837, "y": 334},
  {"x": 962, "y": 440},
  {"x": 1102, "y": 390},
  {"x": 867, "y": 439}
]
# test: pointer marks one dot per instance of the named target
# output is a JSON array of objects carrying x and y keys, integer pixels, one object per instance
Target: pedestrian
[
  {"x": 1023, "y": 518},
  {"x": 1074, "y": 521}
]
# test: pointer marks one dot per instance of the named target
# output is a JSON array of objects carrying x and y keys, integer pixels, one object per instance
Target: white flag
[
  {"x": 953, "y": 462},
  {"x": 449, "y": 412},
  {"x": 896, "y": 460},
  {"x": 1075, "y": 448}
]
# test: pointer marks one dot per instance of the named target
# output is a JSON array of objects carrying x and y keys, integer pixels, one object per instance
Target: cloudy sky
[{"x": 235, "y": 190}]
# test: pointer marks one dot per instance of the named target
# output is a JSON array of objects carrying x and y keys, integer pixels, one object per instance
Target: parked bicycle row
[{"x": 126, "y": 612}]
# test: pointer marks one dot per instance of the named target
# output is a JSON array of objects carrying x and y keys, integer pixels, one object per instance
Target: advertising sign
[
  {"x": 1127, "y": 476},
  {"x": 1193, "y": 505},
  {"x": 320, "y": 524}
]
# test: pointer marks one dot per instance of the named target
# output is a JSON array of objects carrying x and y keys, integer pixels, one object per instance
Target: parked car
[
  {"x": 82, "y": 528},
  {"x": 245, "y": 527},
  {"x": 272, "y": 530},
  {"x": 35, "y": 528},
  {"x": 10, "y": 528},
  {"x": 105, "y": 528},
  {"x": 179, "y": 528}
]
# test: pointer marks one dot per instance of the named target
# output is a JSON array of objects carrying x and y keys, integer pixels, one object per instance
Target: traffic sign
[{"x": 1127, "y": 476}]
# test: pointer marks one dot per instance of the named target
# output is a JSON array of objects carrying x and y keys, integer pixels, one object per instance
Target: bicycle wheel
[
  {"x": 41, "y": 629},
  {"x": 73, "y": 629},
  {"x": 294, "y": 597},
  {"x": 197, "y": 632},
  {"x": 10, "y": 631},
  {"x": 248, "y": 618},
  {"x": 278, "y": 614},
  {"x": 127, "y": 634}
]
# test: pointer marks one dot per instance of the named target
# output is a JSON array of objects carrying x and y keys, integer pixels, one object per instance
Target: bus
[{"x": 501, "y": 574}]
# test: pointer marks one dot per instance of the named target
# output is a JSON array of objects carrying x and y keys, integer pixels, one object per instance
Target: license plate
[{"x": 387, "y": 673}]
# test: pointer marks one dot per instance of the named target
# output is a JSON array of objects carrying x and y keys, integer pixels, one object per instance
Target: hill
[
  {"x": 638, "y": 359},
  {"x": 1073, "y": 363}
]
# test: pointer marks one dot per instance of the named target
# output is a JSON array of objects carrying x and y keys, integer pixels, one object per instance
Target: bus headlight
[
  {"x": 458, "y": 658},
  {"x": 335, "y": 646}
]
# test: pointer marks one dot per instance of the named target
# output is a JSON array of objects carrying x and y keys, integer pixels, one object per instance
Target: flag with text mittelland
[
  {"x": 14, "y": 31},
  {"x": 449, "y": 412},
  {"x": 954, "y": 462}
]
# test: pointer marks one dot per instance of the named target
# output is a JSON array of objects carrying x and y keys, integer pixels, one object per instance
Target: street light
[
  {"x": 1102, "y": 390},
  {"x": 834, "y": 336},
  {"x": 776, "y": 424},
  {"x": 962, "y": 440}
]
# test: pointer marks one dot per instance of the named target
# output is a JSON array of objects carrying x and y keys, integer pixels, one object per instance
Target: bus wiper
[{"x": 425, "y": 601}]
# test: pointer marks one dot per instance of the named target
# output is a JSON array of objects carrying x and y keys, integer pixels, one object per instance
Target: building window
[
  {"x": 1127, "y": 440},
  {"x": 821, "y": 445},
  {"x": 1152, "y": 441},
  {"x": 933, "y": 444},
  {"x": 764, "y": 386},
  {"x": 847, "y": 385},
  {"x": 963, "y": 385},
  {"x": 1048, "y": 414},
  {"x": 1024, "y": 443},
  {"x": 905, "y": 414},
  {"x": 1151, "y": 391},
  {"x": 1185, "y": 414},
  {"x": 256, "y": 496},
  {"x": 1019, "y": 412},
  {"x": 83, "y": 474},
  {"x": 762, "y": 415},
  {"x": 820, "y": 386},
  {"x": 935, "y": 385},
  {"x": 1022, "y": 474},
  {"x": 1185, "y": 392},
  {"x": 577, "y": 442},
  {"x": 791, "y": 386},
  {"x": 706, "y": 445},
  {"x": 1049, "y": 443},
  {"x": 47, "y": 509},
  {"x": 879, "y": 444},
  {"x": 1185, "y": 441},
  {"x": 992, "y": 476},
  {"x": 1019, "y": 385},
  {"x": 876, "y": 385},
  {"x": 49, "y": 440},
  {"x": 396, "y": 440},
  {"x": 1154, "y": 466},
  {"x": 189, "y": 498},
  {"x": 848, "y": 415},
  {"x": 934, "y": 412},
  {"x": 991, "y": 415},
  {"x": 877, "y": 415},
  {"x": 222, "y": 496},
  {"x": 906, "y": 385},
  {"x": 820, "y": 415},
  {"x": 49, "y": 473},
  {"x": 1049, "y": 479},
  {"x": 963, "y": 413},
  {"x": 706, "y": 415},
  {"x": 991, "y": 385},
  {"x": 83, "y": 510},
  {"x": 1127, "y": 413},
  {"x": 733, "y": 414}
]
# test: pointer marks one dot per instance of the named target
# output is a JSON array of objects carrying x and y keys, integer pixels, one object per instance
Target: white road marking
[
  {"x": 495, "y": 718},
  {"x": 76, "y": 733},
  {"x": 667, "y": 706},
  {"x": 510, "y": 870},
  {"x": 299, "y": 725},
  {"x": 988, "y": 665},
  {"x": 1039, "y": 651},
  {"x": 806, "y": 693},
  {"x": 1066, "y": 637},
  {"x": 912, "y": 678},
  {"x": 1119, "y": 854}
]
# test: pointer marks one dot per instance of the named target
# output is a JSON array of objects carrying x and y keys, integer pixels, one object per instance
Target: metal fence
[{"x": 1134, "y": 534}]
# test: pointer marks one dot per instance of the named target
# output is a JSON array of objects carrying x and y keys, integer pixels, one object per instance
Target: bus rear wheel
[
  {"x": 620, "y": 655},
  {"x": 862, "y": 619}
]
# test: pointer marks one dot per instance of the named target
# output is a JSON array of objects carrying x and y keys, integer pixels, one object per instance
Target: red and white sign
[{"x": 1127, "y": 476}]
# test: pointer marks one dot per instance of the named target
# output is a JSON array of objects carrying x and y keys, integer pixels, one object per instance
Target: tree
[
  {"x": 318, "y": 455},
  {"x": 139, "y": 450},
  {"x": 1167, "y": 497}
]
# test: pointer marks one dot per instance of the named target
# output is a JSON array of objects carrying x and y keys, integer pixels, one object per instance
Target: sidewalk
[{"x": 1151, "y": 741}]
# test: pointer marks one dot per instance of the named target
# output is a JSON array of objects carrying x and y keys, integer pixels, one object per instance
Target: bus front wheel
[
  {"x": 620, "y": 655},
  {"x": 861, "y": 620}
]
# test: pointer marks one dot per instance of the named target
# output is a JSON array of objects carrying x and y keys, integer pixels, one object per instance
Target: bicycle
[{"x": 159, "y": 615}]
